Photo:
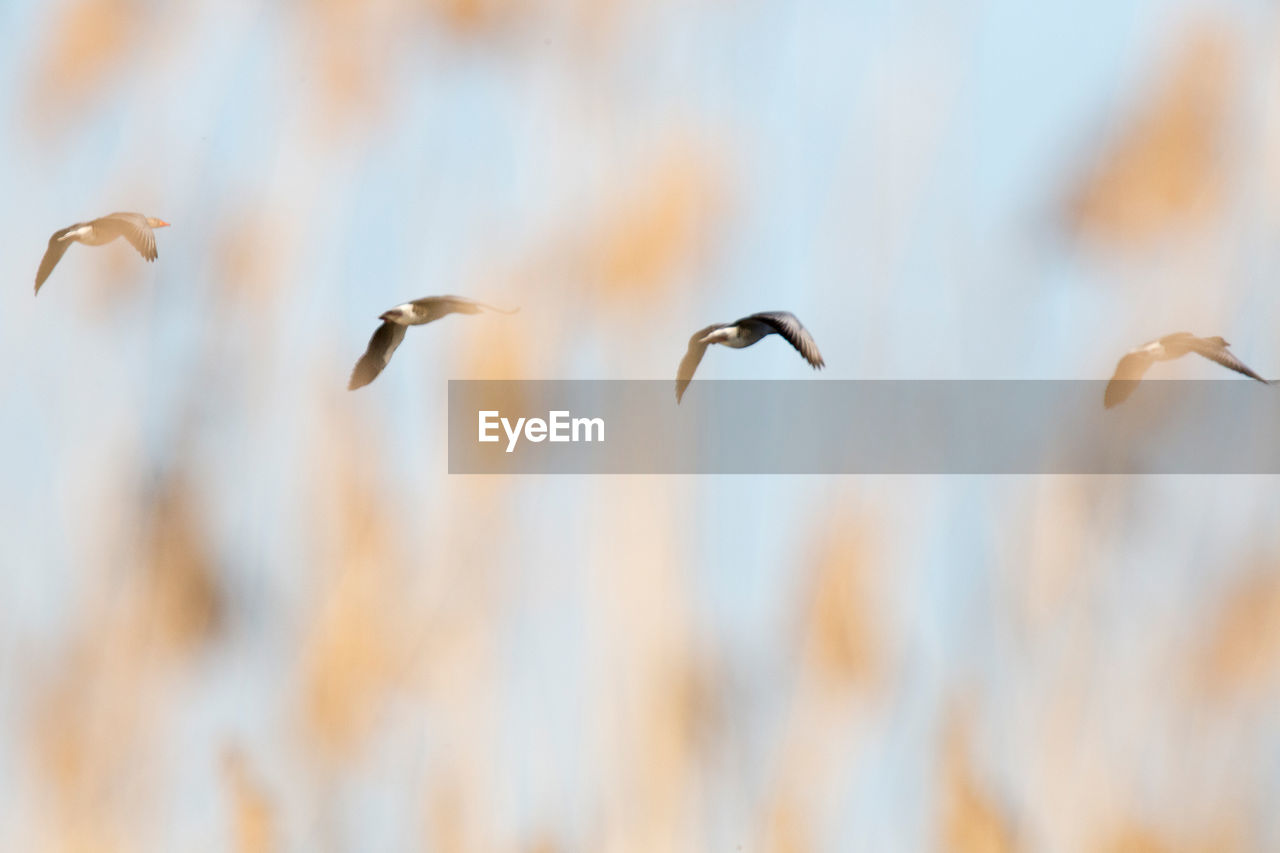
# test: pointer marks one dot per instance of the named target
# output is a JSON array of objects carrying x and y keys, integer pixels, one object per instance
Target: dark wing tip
[
  {"x": 365, "y": 371},
  {"x": 357, "y": 380},
  {"x": 1118, "y": 390},
  {"x": 376, "y": 357},
  {"x": 52, "y": 255}
]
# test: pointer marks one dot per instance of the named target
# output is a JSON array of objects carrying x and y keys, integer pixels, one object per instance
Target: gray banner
[{"x": 862, "y": 427}]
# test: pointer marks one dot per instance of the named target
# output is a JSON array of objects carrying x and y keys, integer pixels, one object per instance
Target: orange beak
[{"x": 162, "y": 224}]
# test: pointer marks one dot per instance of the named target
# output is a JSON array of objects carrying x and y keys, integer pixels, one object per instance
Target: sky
[{"x": 895, "y": 174}]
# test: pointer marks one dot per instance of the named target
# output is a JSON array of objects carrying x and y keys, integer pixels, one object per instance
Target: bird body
[
  {"x": 1131, "y": 368},
  {"x": 396, "y": 320},
  {"x": 743, "y": 333},
  {"x": 134, "y": 227}
]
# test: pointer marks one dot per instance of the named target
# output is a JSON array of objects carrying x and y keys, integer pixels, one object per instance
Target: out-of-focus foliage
[
  {"x": 1166, "y": 168},
  {"x": 304, "y": 634}
]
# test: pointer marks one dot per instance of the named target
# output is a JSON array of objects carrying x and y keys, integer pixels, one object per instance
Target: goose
[
  {"x": 744, "y": 333},
  {"x": 1135, "y": 363},
  {"x": 134, "y": 227},
  {"x": 394, "y": 323}
]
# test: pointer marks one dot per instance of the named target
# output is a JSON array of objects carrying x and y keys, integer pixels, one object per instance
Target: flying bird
[
  {"x": 1131, "y": 368},
  {"x": 134, "y": 227},
  {"x": 394, "y": 322},
  {"x": 744, "y": 333}
]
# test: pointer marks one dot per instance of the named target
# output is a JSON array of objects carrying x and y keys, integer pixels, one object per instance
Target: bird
[
  {"x": 744, "y": 333},
  {"x": 394, "y": 322},
  {"x": 1135, "y": 363},
  {"x": 134, "y": 227}
]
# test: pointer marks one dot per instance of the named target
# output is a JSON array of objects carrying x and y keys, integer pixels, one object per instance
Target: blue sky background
[{"x": 510, "y": 660}]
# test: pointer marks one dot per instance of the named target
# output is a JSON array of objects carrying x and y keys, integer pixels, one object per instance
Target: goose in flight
[
  {"x": 744, "y": 333},
  {"x": 1136, "y": 362},
  {"x": 134, "y": 227},
  {"x": 394, "y": 322}
]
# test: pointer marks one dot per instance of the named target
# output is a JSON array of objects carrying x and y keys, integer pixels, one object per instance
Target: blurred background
[{"x": 244, "y": 609}]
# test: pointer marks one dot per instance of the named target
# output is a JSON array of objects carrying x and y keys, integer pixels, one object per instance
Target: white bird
[
  {"x": 394, "y": 322},
  {"x": 1135, "y": 363},
  {"x": 744, "y": 333},
  {"x": 134, "y": 227}
]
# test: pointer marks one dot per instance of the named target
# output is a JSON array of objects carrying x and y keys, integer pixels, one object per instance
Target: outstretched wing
[
  {"x": 786, "y": 324},
  {"x": 53, "y": 254},
  {"x": 1223, "y": 356},
  {"x": 692, "y": 357},
  {"x": 134, "y": 228},
  {"x": 435, "y": 307},
  {"x": 1129, "y": 371},
  {"x": 375, "y": 358}
]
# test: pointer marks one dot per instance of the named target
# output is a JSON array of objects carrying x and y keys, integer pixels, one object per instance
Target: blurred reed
[
  {"x": 400, "y": 620},
  {"x": 354, "y": 644},
  {"x": 653, "y": 229},
  {"x": 86, "y": 48},
  {"x": 840, "y": 658},
  {"x": 252, "y": 812},
  {"x": 1240, "y": 655},
  {"x": 972, "y": 819},
  {"x": 99, "y": 707},
  {"x": 1167, "y": 166}
]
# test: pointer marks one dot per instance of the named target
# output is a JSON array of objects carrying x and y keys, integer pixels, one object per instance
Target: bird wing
[
  {"x": 438, "y": 306},
  {"x": 134, "y": 228},
  {"x": 692, "y": 357},
  {"x": 786, "y": 324},
  {"x": 1129, "y": 371},
  {"x": 1223, "y": 356},
  {"x": 53, "y": 254},
  {"x": 381, "y": 346},
  {"x": 489, "y": 307}
]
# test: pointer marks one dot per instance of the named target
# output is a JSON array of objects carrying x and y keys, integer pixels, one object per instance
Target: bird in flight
[
  {"x": 134, "y": 227},
  {"x": 394, "y": 322},
  {"x": 1136, "y": 362},
  {"x": 744, "y": 333}
]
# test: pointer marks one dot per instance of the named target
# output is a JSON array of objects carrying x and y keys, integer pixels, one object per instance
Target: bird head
[
  {"x": 399, "y": 314},
  {"x": 157, "y": 223}
]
